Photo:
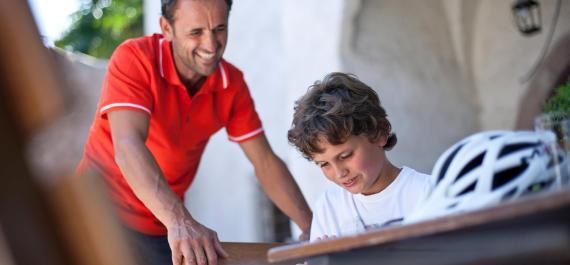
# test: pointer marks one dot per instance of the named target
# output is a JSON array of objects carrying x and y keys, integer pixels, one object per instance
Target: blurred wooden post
[
  {"x": 29, "y": 98},
  {"x": 66, "y": 222},
  {"x": 30, "y": 85}
]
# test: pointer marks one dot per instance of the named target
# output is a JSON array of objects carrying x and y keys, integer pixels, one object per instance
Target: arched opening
[{"x": 553, "y": 72}]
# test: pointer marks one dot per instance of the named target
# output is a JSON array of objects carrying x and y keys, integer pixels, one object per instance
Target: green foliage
[
  {"x": 99, "y": 26},
  {"x": 560, "y": 102}
]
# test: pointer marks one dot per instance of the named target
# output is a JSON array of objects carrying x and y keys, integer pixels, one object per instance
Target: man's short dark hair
[
  {"x": 168, "y": 7},
  {"x": 334, "y": 109}
]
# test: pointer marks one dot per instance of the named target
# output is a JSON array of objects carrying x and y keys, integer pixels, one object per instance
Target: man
[{"x": 163, "y": 97}]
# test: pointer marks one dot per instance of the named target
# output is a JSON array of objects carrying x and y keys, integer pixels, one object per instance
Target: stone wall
[{"x": 58, "y": 148}]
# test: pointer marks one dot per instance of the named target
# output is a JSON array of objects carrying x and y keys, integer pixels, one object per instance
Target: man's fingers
[
  {"x": 219, "y": 249},
  {"x": 176, "y": 259},
  {"x": 200, "y": 256},
  {"x": 303, "y": 236},
  {"x": 198, "y": 245},
  {"x": 210, "y": 253},
  {"x": 189, "y": 258},
  {"x": 176, "y": 256}
]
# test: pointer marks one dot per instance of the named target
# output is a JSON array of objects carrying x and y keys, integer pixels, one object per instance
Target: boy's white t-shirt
[{"x": 335, "y": 213}]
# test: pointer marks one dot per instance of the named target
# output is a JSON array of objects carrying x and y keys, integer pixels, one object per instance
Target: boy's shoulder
[
  {"x": 416, "y": 181},
  {"x": 413, "y": 176}
]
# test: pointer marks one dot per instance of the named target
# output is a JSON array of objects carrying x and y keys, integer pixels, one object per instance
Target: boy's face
[{"x": 355, "y": 165}]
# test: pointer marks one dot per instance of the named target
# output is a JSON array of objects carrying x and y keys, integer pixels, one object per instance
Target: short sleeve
[
  {"x": 127, "y": 83},
  {"x": 243, "y": 123}
]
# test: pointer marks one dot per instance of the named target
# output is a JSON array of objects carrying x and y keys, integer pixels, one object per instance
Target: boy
[{"x": 341, "y": 126}]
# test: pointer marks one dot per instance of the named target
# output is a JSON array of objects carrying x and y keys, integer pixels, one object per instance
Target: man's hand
[
  {"x": 304, "y": 236},
  {"x": 194, "y": 244}
]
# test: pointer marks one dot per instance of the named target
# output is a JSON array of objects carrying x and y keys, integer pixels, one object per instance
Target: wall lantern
[{"x": 526, "y": 14}]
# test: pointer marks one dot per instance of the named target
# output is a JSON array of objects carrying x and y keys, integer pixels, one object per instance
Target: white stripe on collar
[
  {"x": 224, "y": 76},
  {"x": 160, "y": 57}
]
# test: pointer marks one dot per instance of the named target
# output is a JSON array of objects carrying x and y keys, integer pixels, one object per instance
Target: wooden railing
[
  {"x": 533, "y": 230},
  {"x": 247, "y": 253}
]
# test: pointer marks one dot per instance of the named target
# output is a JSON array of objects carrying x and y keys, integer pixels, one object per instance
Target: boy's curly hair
[{"x": 334, "y": 109}]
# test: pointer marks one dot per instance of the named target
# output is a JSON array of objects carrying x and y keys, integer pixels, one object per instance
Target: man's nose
[{"x": 209, "y": 42}]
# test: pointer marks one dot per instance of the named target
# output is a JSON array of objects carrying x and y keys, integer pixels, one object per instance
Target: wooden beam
[
  {"x": 31, "y": 86},
  {"x": 250, "y": 253},
  {"x": 525, "y": 214}
]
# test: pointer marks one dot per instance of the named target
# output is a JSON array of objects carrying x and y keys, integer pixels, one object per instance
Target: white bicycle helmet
[{"x": 488, "y": 168}]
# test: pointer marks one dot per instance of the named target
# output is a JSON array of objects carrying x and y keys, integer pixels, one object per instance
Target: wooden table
[
  {"x": 533, "y": 230},
  {"x": 249, "y": 253}
]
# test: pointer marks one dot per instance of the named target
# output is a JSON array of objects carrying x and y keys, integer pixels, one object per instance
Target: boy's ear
[
  {"x": 166, "y": 28},
  {"x": 382, "y": 140}
]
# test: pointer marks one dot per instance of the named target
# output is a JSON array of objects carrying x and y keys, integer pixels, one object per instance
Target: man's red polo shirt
[{"x": 142, "y": 77}]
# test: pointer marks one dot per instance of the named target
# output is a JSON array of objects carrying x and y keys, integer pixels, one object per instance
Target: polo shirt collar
[{"x": 218, "y": 80}]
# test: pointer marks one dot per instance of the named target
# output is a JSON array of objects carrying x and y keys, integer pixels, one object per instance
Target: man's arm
[
  {"x": 189, "y": 241},
  {"x": 278, "y": 183}
]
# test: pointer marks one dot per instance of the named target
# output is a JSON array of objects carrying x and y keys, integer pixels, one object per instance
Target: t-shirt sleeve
[
  {"x": 127, "y": 83},
  {"x": 244, "y": 123}
]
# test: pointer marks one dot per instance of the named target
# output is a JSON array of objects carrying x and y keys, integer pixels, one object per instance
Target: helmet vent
[
  {"x": 493, "y": 137},
  {"x": 475, "y": 162},
  {"x": 509, "y": 194},
  {"x": 452, "y": 206},
  {"x": 470, "y": 188},
  {"x": 555, "y": 160},
  {"x": 539, "y": 186},
  {"x": 446, "y": 164},
  {"x": 503, "y": 177},
  {"x": 509, "y": 149}
]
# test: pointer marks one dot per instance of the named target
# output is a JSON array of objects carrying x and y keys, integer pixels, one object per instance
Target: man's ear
[{"x": 166, "y": 28}]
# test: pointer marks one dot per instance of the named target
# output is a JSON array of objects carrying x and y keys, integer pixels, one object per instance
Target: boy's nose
[{"x": 342, "y": 172}]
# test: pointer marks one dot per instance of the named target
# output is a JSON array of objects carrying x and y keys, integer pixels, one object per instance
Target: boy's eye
[
  {"x": 345, "y": 156},
  {"x": 324, "y": 164}
]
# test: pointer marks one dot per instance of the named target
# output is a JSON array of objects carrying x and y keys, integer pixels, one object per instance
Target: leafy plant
[
  {"x": 560, "y": 102},
  {"x": 99, "y": 26},
  {"x": 556, "y": 115}
]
